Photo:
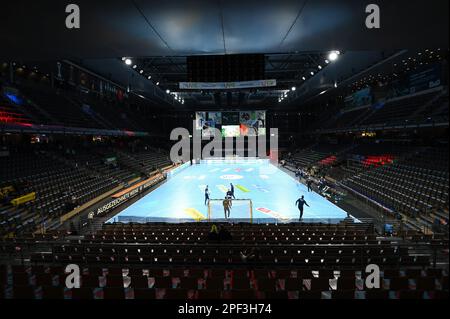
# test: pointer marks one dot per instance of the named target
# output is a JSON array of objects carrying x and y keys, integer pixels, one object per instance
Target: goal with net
[{"x": 240, "y": 209}]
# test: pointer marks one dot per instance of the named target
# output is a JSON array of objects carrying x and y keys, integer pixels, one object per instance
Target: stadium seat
[
  {"x": 113, "y": 293},
  {"x": 215, "y": 283},
  {"x": 343, "y": 294},
  {"x": 144, "y": 293},
  {"x": 23, "y": 292},
  {"x": 139, "y": 282},
  {"x": 49, "y": 292},
  {"x": 82, "y": 293},
  {"x": 209, "y": 294}
]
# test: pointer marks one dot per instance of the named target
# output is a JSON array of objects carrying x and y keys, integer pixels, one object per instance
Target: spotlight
[
  {"x": 149, "y": 77},
  {"x": 319, "y": 67},
  {"x": 141, "y": 71},
  {"x": 326, "y": 61},
  {"x": 167, "y": 91},
  {"x": 134, "y": 66},
  {"x": 293, "y": 88},
  {"x": 312, "y": 73},
  {"x": 157, "y": 83},
  {"x": 333, "y": 55},
  {"x": 128, "y": 61},
  {"x": 303, "y": 78},
  {"x": 123, "y": 58}
]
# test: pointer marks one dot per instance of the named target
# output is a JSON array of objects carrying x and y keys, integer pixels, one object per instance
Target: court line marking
[{"x": 243, "y": 188}]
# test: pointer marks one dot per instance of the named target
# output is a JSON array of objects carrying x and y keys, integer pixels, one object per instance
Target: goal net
[{"x": 240, "y": 209}]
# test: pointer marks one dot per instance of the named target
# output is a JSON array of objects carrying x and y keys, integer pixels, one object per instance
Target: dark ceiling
[
  {"x": 141, "y": 28},
  {"x": 295, "y": 36}
]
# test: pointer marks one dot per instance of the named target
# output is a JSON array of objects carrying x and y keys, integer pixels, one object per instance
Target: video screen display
[
  {"x": 231, "y": 124},
  {"x": 230, "y": 130},
  {"x": 230, "y": 118},
  {"x": 252, "y": 123}
]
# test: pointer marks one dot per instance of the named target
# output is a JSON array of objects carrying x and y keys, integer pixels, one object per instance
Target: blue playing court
[{"x": 273, "y": 194}]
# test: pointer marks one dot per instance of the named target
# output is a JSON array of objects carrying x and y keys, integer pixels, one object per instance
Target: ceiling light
[
  {"x": 167, "y": 91},
  {"x": 333, "y": 55},
  {"x": 303, "y": 78},
  {"x": 134, "y": 66},
  {"x": 312, "y": 73},
  {"x": 293, "y": 88}
]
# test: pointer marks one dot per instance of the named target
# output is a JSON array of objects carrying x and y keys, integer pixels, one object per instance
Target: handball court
[{"x": 273, "y": 194}]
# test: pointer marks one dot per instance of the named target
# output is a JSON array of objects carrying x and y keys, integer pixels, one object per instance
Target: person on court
[
  {"x": 226, "y": 207},
  {"x": 229, "y": 196},
  {"x": 300, "y": 203},
  {"x": 206, "y": 195},
  {"x": 232, "y": 190},
  {"x": 309, "y": 184}
]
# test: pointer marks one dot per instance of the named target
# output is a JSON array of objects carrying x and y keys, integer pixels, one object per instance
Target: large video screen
[
  {"x": 231, "y": 124},
  {"x": 230, "y": 130}
]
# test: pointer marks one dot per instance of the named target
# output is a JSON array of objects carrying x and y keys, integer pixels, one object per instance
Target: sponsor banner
[
  {"x": 360, "y": 98},
  {"x": 227, "y": 85},
  {"x": 24, "y": 199},
  {"x": 271, "y": 213},
  {"x": 425, "y": 78},
  {"x": 133, "y": 191},
  {"x": 195, "y": 214}
]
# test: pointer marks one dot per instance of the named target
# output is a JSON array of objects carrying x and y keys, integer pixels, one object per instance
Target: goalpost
[{"x": 240, "y": 209}]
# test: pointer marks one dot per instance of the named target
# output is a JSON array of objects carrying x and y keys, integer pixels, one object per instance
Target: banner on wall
[
  {"x": 85, "y": 81},
  {"x": 227, "y": 85},
  {"x": 425, "y": 78},
  {"x": 125, "y": 195},
  {"x": 359, "y": 98}
]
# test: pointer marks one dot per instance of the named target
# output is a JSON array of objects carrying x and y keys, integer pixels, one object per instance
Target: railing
[{"x": 250, "y": 219}]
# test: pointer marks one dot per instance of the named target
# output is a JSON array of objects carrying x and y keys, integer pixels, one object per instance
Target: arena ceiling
[
  {"x": 295, "y": 36},
  {"x": 142, "y": 28}
]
